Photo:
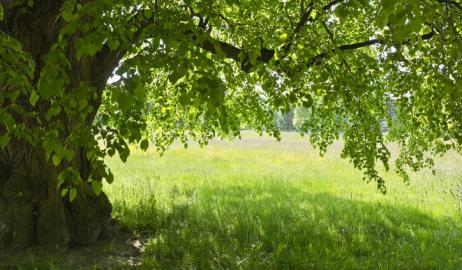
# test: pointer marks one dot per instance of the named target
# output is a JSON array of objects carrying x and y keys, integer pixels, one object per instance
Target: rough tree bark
[{"x": 32, "y": 211}]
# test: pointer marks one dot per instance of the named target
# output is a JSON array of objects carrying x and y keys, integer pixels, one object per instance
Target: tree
[
  {"x": 301, "y": 116},
  {"x": 284, "y": 121},
  {"x": 198, "y": 69}
]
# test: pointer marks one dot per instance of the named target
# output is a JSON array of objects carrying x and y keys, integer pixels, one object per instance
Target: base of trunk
[{"x": 32, "y": 211}]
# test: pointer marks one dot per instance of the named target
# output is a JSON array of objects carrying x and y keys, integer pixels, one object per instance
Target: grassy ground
[{"x": 260, "y": 204}]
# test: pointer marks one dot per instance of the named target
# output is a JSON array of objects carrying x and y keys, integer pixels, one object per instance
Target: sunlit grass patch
[{"x": 259, "y": 204}]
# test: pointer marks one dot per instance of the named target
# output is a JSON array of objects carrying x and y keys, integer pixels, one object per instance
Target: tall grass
[{"x": 260, "y": 204}]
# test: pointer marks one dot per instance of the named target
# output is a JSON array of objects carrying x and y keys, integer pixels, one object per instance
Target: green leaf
[
  {"x": 125, "y": 101},
  {"x": 109, "y": 178},
  {"x": 113, "y": 44},
  {"x": 144, "y": 144},
  {"x": 62, "y": 176},
  {"x": 4, "y": 140},
  {"x": 388, "y": 6},
  {"x": 57, "y": 159},
  {"x": 111, "y": 152},
  {"x": 64, "y": 153},
  {"x": 34, "y": 97},
  {"x": 176, "y": 75},
  {"x": 68, "y": 16},
  {"x": 55, "y": 109},
  {"x": 72, "y": 194},
  {"x": 64, "y": 192},
  {"x": 97, "y": 186},
  {"x": 49, "y": 86},
  {"x": 87, "y": 49},
  {"x": 68, "y": 154},
  {"x": 7, "y": 119}
]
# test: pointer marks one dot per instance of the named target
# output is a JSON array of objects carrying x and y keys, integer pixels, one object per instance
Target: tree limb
[
  {"x": 266, "y": 55},
  {"x": 353, "y": 46},
  {"x": 304, "y": 18}
]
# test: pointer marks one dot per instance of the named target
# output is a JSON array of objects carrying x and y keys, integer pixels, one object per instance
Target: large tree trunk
[{"x": 32, "y": 211}]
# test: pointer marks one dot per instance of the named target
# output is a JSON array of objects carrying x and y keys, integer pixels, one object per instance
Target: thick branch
[
  {"x": 304, "y": 18},
  {"x": 266, "y": 55},
  {"x": 232, "y": 52},
  {"x": 353, "y": 46}
]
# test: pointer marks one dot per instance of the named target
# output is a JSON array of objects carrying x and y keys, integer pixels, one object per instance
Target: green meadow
[{"x": 257, "y": 203}]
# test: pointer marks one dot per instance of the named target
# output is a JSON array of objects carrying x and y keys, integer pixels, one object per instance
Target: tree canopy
[{"x": 198, "y": 69}]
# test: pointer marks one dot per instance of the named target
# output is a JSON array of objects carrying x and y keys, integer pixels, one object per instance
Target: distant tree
[
  {"x": 284, "y": 121},
  {"x": 301, "y": 116},
  {"x": 198, "y": 69}
]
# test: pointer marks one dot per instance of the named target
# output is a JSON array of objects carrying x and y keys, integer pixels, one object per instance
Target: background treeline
[
  {"x": 296, "y": 117},
  {"x": 293, "y": 120}
]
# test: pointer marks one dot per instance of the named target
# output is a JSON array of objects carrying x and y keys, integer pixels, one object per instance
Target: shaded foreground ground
[
  {"x": 119, "y": 252},
  {"x": 258, "y": 204}
]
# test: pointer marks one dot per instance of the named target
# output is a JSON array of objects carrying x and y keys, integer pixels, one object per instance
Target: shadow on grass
[
  {"x": 281, "y": 227},
  {"x": 268, "y": 226}
]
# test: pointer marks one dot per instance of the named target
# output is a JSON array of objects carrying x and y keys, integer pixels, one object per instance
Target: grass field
[{"x": 260, "y": 204}]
